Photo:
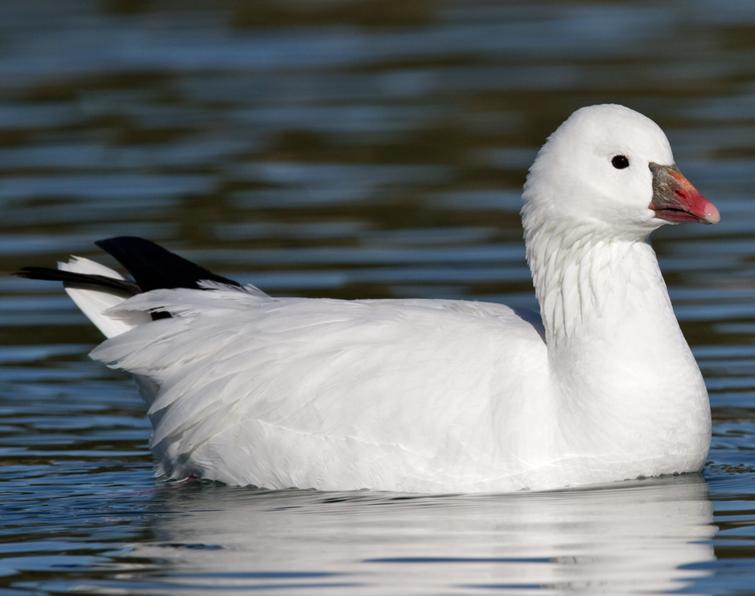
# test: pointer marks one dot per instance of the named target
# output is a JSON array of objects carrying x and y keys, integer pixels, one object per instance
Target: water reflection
[{"x": 644, "y": 536}]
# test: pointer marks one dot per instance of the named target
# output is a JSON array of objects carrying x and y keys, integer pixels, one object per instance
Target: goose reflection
[{"x": 642, "y": 536}]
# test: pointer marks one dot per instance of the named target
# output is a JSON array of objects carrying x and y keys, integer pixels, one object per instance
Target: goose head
[{"x": 610, "y": 169}]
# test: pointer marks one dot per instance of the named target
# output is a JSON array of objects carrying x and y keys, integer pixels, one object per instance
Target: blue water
[{"x": 351, "y": 149}]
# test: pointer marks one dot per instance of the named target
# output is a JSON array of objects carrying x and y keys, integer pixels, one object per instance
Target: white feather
[
  {"x": 422, "y": 395},
  {"x": 93, "y": 303},
  {"x": 328, "y": 393}
]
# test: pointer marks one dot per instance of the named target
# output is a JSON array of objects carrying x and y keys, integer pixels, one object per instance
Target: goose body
[{"x": 437, "y": 395}]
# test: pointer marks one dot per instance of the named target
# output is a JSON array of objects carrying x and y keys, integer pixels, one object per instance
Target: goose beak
[{"x": 675, "y": 199}]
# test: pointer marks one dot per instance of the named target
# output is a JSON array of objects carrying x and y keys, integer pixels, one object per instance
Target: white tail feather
[{"x": 94, "y": 303}]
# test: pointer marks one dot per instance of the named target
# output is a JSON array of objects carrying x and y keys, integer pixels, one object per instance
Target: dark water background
[{"x": 362, "y": 148}]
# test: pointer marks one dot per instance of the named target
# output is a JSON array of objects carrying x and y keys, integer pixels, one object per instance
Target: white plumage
[
  {"x": 435, "y": 395},
  {"x": 95, "y": 303}
]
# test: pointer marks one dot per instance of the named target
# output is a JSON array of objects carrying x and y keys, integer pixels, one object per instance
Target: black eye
[{"x": 620, "y": 162}]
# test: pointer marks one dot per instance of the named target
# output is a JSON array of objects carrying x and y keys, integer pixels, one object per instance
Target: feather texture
[
  {"x": 434, "y": 395},
  {"x": 93, "y": 302},
  {"x": 357, "y": 383}
]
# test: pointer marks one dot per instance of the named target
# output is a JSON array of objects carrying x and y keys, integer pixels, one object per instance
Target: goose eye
[{"x": 620, "y": 162}]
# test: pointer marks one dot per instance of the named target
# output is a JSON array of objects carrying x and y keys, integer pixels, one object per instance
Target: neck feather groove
[{"x": 588, "y": 283}]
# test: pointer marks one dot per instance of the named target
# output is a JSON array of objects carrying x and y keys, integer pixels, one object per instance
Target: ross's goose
[{"x": 432, "y": 395}]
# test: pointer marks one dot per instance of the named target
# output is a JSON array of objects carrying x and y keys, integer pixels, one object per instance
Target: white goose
[{"x": 432, "y": 395}]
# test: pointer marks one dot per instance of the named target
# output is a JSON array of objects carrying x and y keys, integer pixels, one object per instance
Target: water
[{"x": 351, "y": 149}]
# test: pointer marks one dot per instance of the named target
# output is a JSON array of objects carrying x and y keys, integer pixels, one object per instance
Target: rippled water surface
[{"x": 365, "y": 148}]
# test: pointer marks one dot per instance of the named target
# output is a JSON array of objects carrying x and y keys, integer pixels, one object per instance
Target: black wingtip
[
  {"x": 153, "y": 266},
  {"x": 32, "y": 272},
  {"x": 81, "y": 280}
]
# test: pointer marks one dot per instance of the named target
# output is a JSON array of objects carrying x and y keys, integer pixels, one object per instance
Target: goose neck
[{"x": 589, "y": 285}]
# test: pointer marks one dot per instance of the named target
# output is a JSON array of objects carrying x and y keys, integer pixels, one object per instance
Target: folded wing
[{"x": 281, "y": 392}]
